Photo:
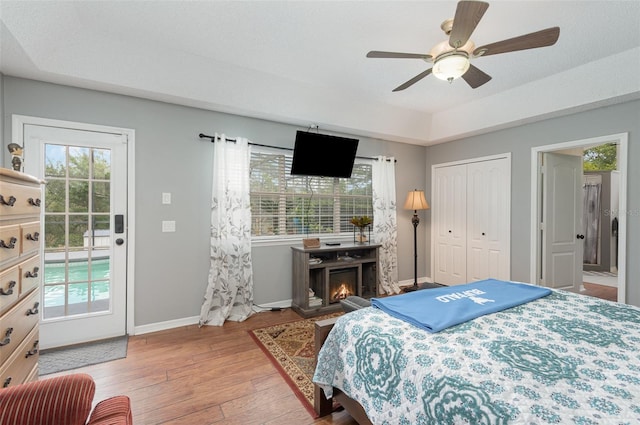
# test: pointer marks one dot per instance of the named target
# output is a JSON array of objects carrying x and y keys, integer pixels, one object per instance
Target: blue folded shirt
[{"x": 440, "y": 308}]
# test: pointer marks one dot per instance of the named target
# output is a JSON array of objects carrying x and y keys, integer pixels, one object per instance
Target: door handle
[
  {"x": 119, "y": 223},
  {"x": 579, "y": 236},
  {"x": 119, "y": 241}
]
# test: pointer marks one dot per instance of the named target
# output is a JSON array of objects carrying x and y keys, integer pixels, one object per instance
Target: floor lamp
[{"x": 415, "y": 201}]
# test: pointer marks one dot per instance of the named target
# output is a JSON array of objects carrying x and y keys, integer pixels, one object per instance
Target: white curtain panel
[
  {"x": 383, "y": 175},
  {"x": 229, "y": 294}
]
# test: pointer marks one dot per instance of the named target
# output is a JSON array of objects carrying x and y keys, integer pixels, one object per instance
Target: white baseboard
[
  {"x": 268, "y": 306},
  {"x": 278, "y": 304},
  {"x": 163, "y": 326},
  {"x": 187, "y": 321},
  {"x": 194, "y": 320},
  {"x": 409, "y": 282}
]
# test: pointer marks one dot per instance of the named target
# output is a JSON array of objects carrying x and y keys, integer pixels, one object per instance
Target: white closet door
[
  {"x": 450, "y": 225},
  {"x": 488, "y": 220}
]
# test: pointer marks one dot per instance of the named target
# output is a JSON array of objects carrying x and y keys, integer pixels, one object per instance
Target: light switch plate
[
  {"x": 166, "y": 197},
  {"x": 169, "y": 226}
]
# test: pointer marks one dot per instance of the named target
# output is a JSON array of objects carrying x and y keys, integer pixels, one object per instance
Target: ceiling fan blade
[
  {"x": 413, "y": 80},
  {"x": 475, "y": 78},
  {"x": 543, "y": 38},
  {"x": 468, "y": 14},
  {"x": 397, "y": 55}
]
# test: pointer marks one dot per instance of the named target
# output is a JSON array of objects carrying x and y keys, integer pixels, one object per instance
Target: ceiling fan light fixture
[{"x": 451, "y": 66}]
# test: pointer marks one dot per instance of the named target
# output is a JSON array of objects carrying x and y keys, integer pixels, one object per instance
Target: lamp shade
[{"x": 416, "y": 201}]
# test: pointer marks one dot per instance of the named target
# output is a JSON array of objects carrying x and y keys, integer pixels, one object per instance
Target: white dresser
[{"x": 20, "y": 274}]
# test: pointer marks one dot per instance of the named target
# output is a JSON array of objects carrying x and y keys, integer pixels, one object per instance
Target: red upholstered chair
[{"x": 61, "y": 400}]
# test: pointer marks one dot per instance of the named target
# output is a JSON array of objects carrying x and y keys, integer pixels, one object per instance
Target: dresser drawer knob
[
  {"x": 34, "y": 309},
  {"x": 10, "y": 245},
  {"x": 9, "y": 203},
  {"x": 33, "y": 273},
  {"x": 6, "y": 382},
  {"x": 9, "y": 291},
  {"x": 7, "y": 337},
  {"x": 33, "y": 351},
  {"x": 34, "y": 202},
  {"x": 35, "y": 237}
]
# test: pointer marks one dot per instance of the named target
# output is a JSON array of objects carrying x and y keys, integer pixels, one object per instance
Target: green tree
[
  {"x": 70, "y": 172},
  {"x": 601, "y": 158}
]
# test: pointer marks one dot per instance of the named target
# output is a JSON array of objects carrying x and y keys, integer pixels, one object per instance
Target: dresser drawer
[
  {"x": 22, "y": 362},
  {"x": 18, "y": 199},
  {"x": 9, "y": 287},
  {"x": 9, "y": 242},
  {"x": 30, "y": 237},
  {"x": 16, "y": 324},
  {"x": 30, "y": 274}
]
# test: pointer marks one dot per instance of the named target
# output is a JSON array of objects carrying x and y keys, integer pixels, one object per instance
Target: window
[{"x": 282, "y": 204}]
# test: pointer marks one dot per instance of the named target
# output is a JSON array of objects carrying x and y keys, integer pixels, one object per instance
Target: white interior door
[
  {"x": 84, "y": 225},
  {"x": 562, "y": 239}
]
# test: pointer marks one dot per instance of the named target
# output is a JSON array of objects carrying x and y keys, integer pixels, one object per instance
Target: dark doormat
[{"x": 81, "y": 355}]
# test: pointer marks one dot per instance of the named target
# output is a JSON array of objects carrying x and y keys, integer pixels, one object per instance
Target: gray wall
[
  {"x": 621, "y": 118},
  {"x": 171, "y": 268}
]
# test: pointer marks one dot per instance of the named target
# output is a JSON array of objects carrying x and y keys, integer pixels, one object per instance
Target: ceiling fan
[{"x": 451, "y": 57}]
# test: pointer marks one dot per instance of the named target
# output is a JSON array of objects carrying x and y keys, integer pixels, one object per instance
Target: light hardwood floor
[
  {"x": 211, "y": 375},
  {"x": 208, "y": 375},
  {"x": 600, "y": 291}
]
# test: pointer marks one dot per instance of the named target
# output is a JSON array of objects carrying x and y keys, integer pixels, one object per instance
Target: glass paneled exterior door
[{"x": 84, "y": 285}]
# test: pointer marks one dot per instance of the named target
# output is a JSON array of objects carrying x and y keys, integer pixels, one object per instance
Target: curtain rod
[{"x": 231, "y": 139}]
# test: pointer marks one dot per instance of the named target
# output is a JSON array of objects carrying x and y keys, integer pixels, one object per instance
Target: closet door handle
[{"x": 579, "y": 236}]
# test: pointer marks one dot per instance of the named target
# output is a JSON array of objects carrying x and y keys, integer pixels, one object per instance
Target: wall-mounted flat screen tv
[{"x": 323, "y": 155}]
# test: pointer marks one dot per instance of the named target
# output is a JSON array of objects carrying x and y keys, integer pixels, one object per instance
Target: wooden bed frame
[{"x": 322, "y": 405}]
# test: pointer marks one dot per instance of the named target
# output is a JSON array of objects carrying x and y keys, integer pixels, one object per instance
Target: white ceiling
[{"x": 303, "y": 62}]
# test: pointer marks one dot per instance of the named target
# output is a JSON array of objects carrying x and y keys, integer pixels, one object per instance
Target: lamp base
[
  {"x": 411, "y": 288},
  {"x": 425, "y": 285}
]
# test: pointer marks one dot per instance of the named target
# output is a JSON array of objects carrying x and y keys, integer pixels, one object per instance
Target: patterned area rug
[
  {"x": 290, "y": 347},
  {"x": 77, "y": 356}
]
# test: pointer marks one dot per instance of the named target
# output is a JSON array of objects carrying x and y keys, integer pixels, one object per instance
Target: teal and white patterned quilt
[{"x": 562, "y": 359}]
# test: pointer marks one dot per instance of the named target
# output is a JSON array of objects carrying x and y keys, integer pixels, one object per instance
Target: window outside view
[
  {"x": 77, "y": 231},
  {"x": 285, "y": 205}
]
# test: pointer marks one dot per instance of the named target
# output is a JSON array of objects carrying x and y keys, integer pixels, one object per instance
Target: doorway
[
  {"x": 85, "y": 228},
  {"x": 541, "y": 207}
]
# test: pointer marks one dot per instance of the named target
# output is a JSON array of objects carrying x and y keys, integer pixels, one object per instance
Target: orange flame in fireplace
[{"x": 342, "y": 292}]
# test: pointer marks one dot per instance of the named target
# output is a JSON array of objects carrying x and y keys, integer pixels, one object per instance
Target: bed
[{"x": 561, "y": 359}]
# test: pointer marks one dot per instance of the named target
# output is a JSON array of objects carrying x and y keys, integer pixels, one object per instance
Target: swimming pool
[{"x": 80, "y": 287}]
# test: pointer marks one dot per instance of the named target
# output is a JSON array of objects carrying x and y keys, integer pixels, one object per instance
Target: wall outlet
[{"x": 169, "y": 226}]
